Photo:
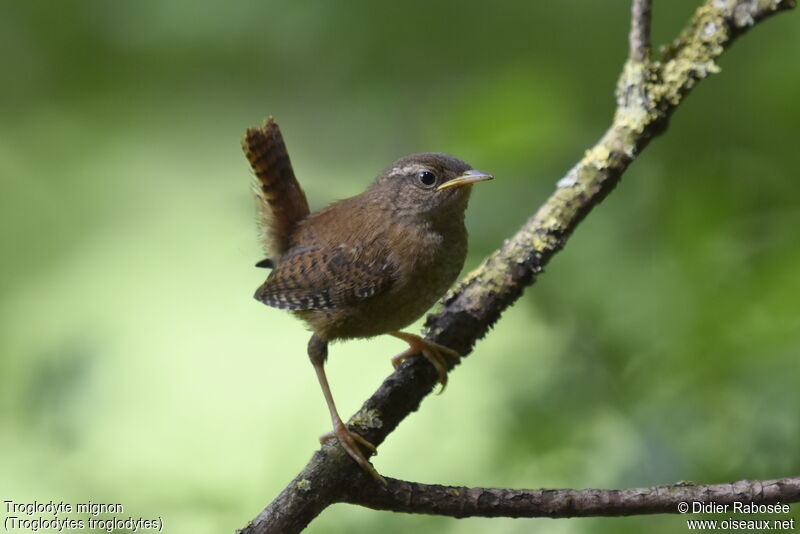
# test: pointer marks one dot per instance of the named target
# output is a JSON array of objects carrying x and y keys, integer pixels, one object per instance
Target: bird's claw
[
  {"x": 433, "y": 352},
  {"x": 324, "y": 438},
  {"x": 350, "y": 441}
]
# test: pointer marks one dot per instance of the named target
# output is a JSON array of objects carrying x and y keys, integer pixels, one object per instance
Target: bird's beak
[{"x": 469, "y": 177}]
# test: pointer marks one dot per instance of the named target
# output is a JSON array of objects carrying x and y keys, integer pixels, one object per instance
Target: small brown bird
[{"x": 366, "y": 265}]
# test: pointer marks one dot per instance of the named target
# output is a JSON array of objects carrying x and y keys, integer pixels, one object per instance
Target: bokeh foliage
[{"x": 662, "y": 344}]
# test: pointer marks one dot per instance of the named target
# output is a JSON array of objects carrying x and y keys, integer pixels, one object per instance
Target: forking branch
[{"x": 647, "y": 94}]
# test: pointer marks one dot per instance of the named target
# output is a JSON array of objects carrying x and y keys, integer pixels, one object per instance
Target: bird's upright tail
[{"x": 281, "y": 201}]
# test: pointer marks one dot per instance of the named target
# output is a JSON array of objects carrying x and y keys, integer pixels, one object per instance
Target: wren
[{"x": 366, "y": 265}]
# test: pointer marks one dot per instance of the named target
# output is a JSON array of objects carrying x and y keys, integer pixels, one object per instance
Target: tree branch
[
  {"x": 647, "y": 94},
  {"x": 411, "y": 497}
]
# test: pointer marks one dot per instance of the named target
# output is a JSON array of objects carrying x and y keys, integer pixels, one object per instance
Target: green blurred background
[{"x": 660, "y": 345}]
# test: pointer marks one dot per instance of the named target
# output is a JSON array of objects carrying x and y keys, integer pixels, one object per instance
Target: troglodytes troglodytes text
[{"x": 366, "y": 265}]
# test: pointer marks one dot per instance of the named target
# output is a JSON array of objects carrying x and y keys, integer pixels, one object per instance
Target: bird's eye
[{"x": 426, "y": 178}]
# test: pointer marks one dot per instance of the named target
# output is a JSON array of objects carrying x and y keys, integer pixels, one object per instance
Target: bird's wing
[
  {"x": 281, "y": 201},
  {"x": 314, "y": 278}
]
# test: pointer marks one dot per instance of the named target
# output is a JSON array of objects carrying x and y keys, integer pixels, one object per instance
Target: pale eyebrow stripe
[{"x": 408, "y": 169}]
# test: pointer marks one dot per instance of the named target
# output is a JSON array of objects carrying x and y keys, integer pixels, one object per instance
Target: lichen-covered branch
[
  {"x": 647, "y": 93},
  {"x": 400, "y": 496}
]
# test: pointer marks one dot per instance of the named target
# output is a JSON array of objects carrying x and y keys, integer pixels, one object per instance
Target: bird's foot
[
  {"x": 350, "y": 441},
  {"x": 433, "y": 352}
]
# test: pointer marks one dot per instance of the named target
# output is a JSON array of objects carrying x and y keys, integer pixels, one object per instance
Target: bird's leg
[
  {"x": 318, "y": 353},
  {"x": 433, "y": 352}
]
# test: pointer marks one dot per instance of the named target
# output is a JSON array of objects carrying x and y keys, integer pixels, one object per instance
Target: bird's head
[{"x": 428, "y": 185}]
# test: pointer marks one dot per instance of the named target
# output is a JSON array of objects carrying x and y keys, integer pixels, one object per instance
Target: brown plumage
[{"x": 370, "y": 264}]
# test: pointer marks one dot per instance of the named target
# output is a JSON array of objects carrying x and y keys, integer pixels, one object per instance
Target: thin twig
[{"x": 639, "y": 36}]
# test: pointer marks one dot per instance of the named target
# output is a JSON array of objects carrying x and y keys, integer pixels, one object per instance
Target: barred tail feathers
[{"x": 281, "y": 200}]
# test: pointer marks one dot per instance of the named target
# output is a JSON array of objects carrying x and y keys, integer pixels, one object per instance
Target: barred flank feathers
[
  {"x": 296, "y": 300},
  {"x": 311, "y": 278},
  {"x": 281, "y": 201}
]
